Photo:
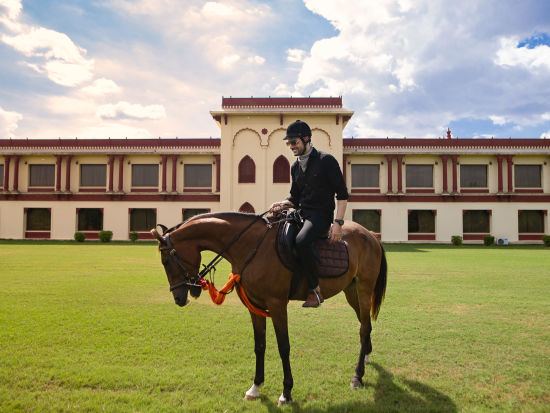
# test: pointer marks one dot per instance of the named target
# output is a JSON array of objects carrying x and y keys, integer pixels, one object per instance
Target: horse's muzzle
[
  {"x": 181, "y": 296},
  {"x": 181, "y": 301}
]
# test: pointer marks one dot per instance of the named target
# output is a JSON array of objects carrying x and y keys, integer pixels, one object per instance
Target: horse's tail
[{"x": 380, "y": 287}]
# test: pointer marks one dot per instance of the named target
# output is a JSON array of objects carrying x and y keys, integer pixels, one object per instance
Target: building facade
[{"x": 404, "y": 189}]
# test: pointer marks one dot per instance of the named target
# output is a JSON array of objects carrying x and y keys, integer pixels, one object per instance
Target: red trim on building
[
  {"x": 110, "y": 143},
  {"x": 41, "y": 189},
  {"x": 421, "y": 237},
  {"x": 144, "y": 235},
  {"x": 530, "y": 237},
  {"x": 58, "y": 159},
  {"x": 454, "y": 159},
  {"x": 529, "y": 190},
  {"x": 509, "y": 164},
  {"x": 420, "y": 190},
  {"x": 112, "y": 197},
  {"x": 365, "y": 190},
  {"x": 92, "y": 190},
  {"x": 446, "y": 143},
  {"x": 444, "y": 166},
  {"x": 390, "y": 171},
  {"x": 473, "y": 237},
  {"x": 474, "y": 191},
  {"x": 321, "y": 102},
  {"x": 400, "y": 173},
  {"x": 151, "y": 189},
  {"x": 164, "y": 162},
  {"x": 449, "y": 198},
  {"x": 499, "y": 171},
  {"x": 91, "y": 234},
  {"x": 37, "y": 234},
  {"x": 174, "y": 172},
  {"x": 68, "y": 159},
  {"x": 111, "y": 172},
  {"x": 7, "y": 172}
]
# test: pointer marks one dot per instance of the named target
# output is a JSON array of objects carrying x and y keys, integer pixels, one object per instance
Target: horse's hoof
[
  {"x": 253, "y": 393},
  {"x": 356, "y": 383},
  {"x": 283, "y": 400}
]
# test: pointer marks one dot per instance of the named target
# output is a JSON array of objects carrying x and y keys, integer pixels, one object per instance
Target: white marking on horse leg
[
  {"x": 254, "y": 392},
  {"x": 367, "y": 359},
  {"x": 283, "y": 400}
]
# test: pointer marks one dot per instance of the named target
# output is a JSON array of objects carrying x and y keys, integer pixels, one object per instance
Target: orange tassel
[{"x": 218, "y": 297}]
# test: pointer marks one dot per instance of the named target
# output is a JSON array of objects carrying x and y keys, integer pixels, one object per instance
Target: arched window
[
  {"x": 281, "y": 170},
  {"x": 247, "y": 170},
  {"x": 247, "y": 208}
]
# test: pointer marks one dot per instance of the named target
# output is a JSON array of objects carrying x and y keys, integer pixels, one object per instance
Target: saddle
[{"x": 332, "y": 260}]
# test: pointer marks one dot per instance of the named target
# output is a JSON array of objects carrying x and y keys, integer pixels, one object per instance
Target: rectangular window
[
  {"x": 476, "y": 221},
  {"x": 369, "y": 218},
  {"x": 143, "y": 219},
  {"x": 531, "y": 221},
  {"x": 197, "y": 176},
  {"x": 420, "y": 176},
  {"x": 189, "y": 213},
  {"x": 42, "y": 175},
  {"x": 38, "y": 219},
  {"x": 90, "y": 219},
  {"x": 527, "y": 176},
  {"x": 422, "y": 221},
  {"x": 93, "y": 175},
  {"x": 473, "y": 176},
  {"x": 365, "y": 176},
  {"x": 145, "y": 175}
]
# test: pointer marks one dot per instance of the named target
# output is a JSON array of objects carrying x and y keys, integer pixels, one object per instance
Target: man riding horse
[{"x": 316, "y": 178}]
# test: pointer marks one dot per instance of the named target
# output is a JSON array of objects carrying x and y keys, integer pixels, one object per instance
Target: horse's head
[{"x": 181, "y": 262}]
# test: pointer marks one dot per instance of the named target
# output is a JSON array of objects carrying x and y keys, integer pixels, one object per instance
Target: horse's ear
[
  {"x": 164, "y": 229},
  {"x": 157, "y": 236}
]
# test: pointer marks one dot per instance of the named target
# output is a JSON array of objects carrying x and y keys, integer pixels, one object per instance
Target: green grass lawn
[{"x": 92, "y": 327}]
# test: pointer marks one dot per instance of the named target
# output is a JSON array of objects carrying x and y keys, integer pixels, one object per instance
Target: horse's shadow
[{"x": 388, "y": 396}]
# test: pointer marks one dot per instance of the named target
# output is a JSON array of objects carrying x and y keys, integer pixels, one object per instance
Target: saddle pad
[{"x": 334, "y": 257}]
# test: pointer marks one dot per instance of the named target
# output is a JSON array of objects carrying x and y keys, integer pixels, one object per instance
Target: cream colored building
[{"x": 405, "y": 189}]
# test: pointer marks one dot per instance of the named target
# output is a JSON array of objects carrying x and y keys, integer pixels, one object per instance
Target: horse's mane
[{"x": 221, "y": 215}]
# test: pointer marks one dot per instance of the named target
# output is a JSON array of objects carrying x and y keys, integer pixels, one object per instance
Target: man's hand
[
  {"x": 335, "y": 233},
  {"x": 279, "y": 206}
]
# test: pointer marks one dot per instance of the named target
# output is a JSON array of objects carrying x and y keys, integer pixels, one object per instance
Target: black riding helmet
[{"x": 298, "y": 129}]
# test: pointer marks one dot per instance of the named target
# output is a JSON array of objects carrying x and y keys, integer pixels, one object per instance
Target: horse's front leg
[
  {"x": 258, "y": 322},
  {"x": 280, "y": 323}
]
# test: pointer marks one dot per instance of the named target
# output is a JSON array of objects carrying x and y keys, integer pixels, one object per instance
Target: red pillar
[
  {"x": 399, "y": 173},
  {"x": 509, "y": 163},
  {"x": 68, "y": 172},
  {"x": 164, "y": 158},
  {"x": 218, "y": 171},
  {"x": 444, "y": 165},
  {"x": 111, "y": 172},
  {"x": 59, "y": 158},
  {"x": 174, "y": 171},
  {"x": 344, "y": 165},
  {"x": 120, "y": 172},
  {"x": 7, "y": 172},
  {"x": 499, "y": 172},
  {"x": 16, "y": 172},
  {"x": 454, "y": 159},
  {"x": 390, "y": 173}
]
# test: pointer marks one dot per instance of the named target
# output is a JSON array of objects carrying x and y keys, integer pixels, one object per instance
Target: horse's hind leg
[
  {"x": 258, "y": 322},
  {"x": 362, "y": 309}
]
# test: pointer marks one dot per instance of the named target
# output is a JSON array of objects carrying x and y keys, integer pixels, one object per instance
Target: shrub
[
  {"x": 546, "y": 240},
  {"x": 79, "y": 236},
  {"x": 456, "y": 240},
  {"x": 133, "y": 236},
  {"x": 105, "y": 236},
  {"x": 488, "y": 240}
]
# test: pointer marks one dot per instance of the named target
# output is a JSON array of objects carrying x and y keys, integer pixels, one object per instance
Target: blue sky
[{"x": 149, "y": 68}]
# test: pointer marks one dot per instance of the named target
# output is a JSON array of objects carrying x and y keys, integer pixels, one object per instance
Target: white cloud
[
  {"x": 125, "y": 110},
  {"x": 510, "y": 54},
  {"x": 114, "y": 131},
  {"x": 498, "y": 120},
  {"x": 52, "y": 52},
  {"x": 8, "y": 122},
  {"x": 295, "y": 55},
  {"x": 10, "y": 9},
  {"x": 102, "y": 87}
]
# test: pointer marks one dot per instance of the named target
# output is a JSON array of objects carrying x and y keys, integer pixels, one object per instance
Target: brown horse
[{"x": 248, "y": 242}]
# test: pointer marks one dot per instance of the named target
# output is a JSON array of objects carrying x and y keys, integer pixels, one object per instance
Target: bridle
[{"x": 188, "y": 279}]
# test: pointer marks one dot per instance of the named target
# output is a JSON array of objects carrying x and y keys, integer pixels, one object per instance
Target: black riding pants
[{"x": 315, "y": 225}]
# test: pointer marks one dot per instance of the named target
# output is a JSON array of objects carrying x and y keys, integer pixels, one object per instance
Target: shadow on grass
[
  {"x": 428, "y": 247},
  {"x": 411, "y": 396}
]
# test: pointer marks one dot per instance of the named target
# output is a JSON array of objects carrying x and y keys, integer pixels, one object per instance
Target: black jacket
[{"x": 314, "y": 190}]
